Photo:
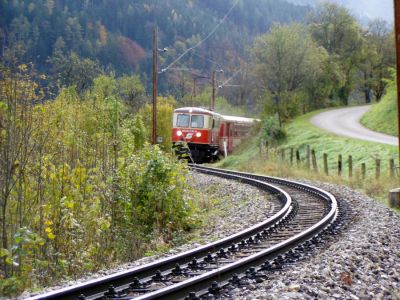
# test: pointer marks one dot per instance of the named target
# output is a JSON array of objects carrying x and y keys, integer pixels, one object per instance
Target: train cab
[
  {"x": 199, "y": 128},
  {"x": 202, "y": 135}
]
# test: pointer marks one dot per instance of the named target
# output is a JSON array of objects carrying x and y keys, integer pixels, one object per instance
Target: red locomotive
[{"x": 207, "y": 134}]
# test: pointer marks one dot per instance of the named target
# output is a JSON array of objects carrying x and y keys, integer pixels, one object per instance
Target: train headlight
[
  {"x": 179, "y": 133},
  {"x": 198, "y": 134}
]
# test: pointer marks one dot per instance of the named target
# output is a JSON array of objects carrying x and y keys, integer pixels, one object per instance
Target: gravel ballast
[{"x": 362, "y": 262}]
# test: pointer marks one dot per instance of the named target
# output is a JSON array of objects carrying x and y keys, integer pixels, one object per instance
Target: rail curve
[{"x": 255, "y": 248}]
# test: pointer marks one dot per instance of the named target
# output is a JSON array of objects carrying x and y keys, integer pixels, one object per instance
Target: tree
[
  {"x": 73, "y": 70},
  {"x": 377, "y": 56},
  {"x": 17, "y": 94},
  {"x": 333, "y": 28},
  {"x": 284, "y": 60},
  {"x": 165, "y": 108},
  {"x": 131, "y": 52},
  {"x": 132, "y": 91}
]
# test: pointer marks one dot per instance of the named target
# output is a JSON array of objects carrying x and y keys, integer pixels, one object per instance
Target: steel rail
[
  {"x": 301, "y": 186},
  {"x": 101, "y": 285},
  {"x": 203, "y": 281}
]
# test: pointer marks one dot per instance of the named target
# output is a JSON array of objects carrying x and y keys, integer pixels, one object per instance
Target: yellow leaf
[
  {"x": 22, "y": 67},
  {"x": 4, "y": 252},
  {"x": 48, "y": 222},
  {"x": 69, "y": 204},
  {"x": 48, "y": 230},
  {"x": 51, "y": 236}
]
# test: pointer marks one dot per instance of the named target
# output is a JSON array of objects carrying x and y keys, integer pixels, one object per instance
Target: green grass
[
  {"x": 301, "y": 133},
  {"x": 382, "y": 116}
]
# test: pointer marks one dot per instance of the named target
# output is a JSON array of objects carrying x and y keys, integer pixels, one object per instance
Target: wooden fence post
[
  {"x": 350, "y": 166},
  {"x": 378, "y": 168},
  {"x": 340, "y": 165},
  {"x": 363, "y": 171},
  {"x": 283, "y": 155},
  {"x": 298, "y": 157},
  {"x": 391, "y": 167},
  {"x": 314, "y": 160},
  {"x": 308, "y": 157},
  {"x": 291, "y": 156},
  {"x": 326, "y": 164}
]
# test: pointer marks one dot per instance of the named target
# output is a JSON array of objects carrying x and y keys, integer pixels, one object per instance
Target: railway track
[{"x": 304, "y": 213}]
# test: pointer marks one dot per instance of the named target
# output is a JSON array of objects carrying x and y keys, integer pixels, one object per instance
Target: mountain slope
[{"x": 118, "y": 33}]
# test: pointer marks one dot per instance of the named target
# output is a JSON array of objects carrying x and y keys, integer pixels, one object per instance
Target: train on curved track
[{"x": 205, "y": 135}]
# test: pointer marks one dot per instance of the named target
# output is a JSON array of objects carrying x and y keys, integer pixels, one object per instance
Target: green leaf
[{"x": 4, "y": 252}]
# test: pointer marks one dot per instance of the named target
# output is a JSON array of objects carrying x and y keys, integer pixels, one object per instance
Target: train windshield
[
  {"x": 183, "y": 121},
  {"x": 193, "y": 121},
  {"x": 197, "y": 121}
]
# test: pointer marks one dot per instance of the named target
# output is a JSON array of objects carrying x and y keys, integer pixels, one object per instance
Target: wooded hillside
[{"x": 58, "y": 35}]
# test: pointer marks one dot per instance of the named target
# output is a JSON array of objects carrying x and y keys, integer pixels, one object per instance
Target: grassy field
[
  {"x": 382, "y": 116},
  {"x": 301, "y": 133}
]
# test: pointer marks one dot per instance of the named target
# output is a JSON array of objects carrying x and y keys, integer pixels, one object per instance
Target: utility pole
[
  {"x": 212, "y": 106},
  {"x": 194, "y": 94},
  {"x": 397, "y": 35},
  {"x": 194, "y": 91},
  {"x": 213, "y": 82},
  {"x": 155, "y": 80},
  {"x": 394, "y": 195}
]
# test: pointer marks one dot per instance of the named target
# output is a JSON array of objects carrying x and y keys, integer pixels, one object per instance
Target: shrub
[{"x": 271, "y": 132}]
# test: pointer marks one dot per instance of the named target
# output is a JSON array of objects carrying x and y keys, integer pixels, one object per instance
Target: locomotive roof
[
  {"x": 199, "y": 110},
  {"x": 196, "y": 110}
]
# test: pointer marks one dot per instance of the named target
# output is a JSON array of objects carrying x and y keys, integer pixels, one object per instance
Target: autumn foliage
[
  {"x": 130, "y": 51},
  {"x": 80, "y": 189}
]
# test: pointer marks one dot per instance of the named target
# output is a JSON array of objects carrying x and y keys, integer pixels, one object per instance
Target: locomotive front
[{"x": 196, "y": 130}]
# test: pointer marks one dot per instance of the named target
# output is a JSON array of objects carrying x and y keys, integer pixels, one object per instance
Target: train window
[
  {"x": 183, "y": 120},
  {"x": 197, "y": 121},
  {"x": 213, "y": 123}
]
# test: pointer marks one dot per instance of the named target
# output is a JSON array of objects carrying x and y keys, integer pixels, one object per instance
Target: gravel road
[{"x": 345, "y": 122}]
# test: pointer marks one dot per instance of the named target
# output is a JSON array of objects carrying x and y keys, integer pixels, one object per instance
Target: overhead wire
[
  {"x": 208, "y": 59},
  {"x": 230, "y": 78},
  {"x": 203, "y": 40}
]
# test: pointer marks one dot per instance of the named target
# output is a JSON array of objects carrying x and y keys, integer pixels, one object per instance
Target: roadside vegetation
[
  {"x": 253, "y": 156},
  {"x": 382, "y": 116},
  {"x": 81, "y": 188},
  {"x": 300, "y": 133},
  {"x": 336, "y": 63},
  {"x": 301, "y": 69}
]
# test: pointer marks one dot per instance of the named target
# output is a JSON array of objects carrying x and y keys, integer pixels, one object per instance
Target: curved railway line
[{"x": 305, "y": 212}]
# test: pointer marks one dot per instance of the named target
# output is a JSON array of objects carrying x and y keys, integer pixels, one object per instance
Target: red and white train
[{"x": 207, "y": 133}]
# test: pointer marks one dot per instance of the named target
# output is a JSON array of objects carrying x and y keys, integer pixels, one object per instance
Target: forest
[
  {"x": 81, "y": 187},
  {"x": 108, "y": 36}
]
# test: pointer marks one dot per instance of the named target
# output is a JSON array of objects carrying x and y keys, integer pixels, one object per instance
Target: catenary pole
[
  {"x": 394, "y": 194},
  {"x": 397, "y": 35},
  {"x": 155, "y": 80},
  {"x": 212, "y": 106}
]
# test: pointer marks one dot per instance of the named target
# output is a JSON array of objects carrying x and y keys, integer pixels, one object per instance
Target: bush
[
  {"x": 85, "y": 190},
  {"x": 271, "y": 132}
]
